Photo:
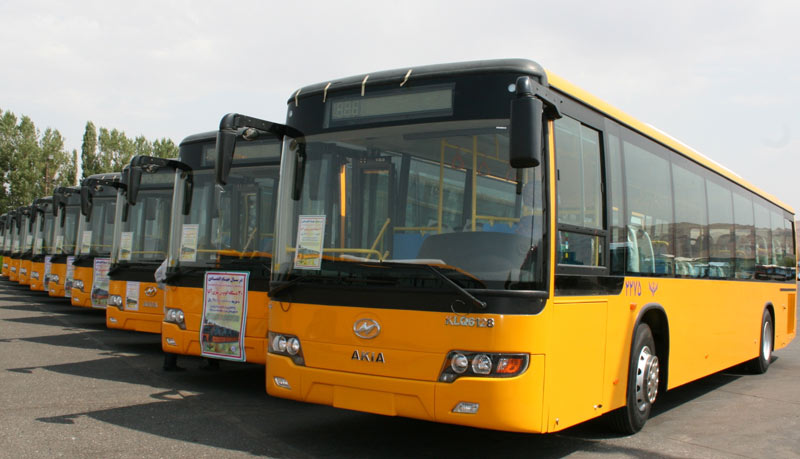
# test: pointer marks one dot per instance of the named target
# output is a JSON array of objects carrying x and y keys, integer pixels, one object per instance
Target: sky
[{"x": 722, "y": 77}]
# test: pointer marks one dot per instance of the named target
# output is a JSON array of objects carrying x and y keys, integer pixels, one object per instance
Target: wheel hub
[
  {"x": 766, "y": 341},
  {"x": 647, "y": 378}
]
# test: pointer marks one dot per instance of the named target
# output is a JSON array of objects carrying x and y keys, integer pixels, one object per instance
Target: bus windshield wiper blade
[
  {"x": 461, "y": 290},
  {"x": 273, "y": 291}
]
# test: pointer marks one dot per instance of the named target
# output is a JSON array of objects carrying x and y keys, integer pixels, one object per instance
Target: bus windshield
[
  {"x": 99, "y": 233},
  {"x": 44, "y": 231},
  {"x": 438, "y": 195},
  {"x": 233, "y": 223},
  {"x": 145, "y": 234},
  {"x": 69, "y": 230},
  {"x": 27, "y": 236}
]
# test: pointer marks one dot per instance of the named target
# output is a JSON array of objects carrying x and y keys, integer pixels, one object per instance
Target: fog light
[
  {"x": 281, "y": 382},
  {"x": 482, "y": 364},
  {"x": 113, "y": 320},
  {"x": 293, "y": 346},
  {"x": 171, "y": 341},
  {"x": 459, "y": 363},
  {"x": 466, "y": 408}
]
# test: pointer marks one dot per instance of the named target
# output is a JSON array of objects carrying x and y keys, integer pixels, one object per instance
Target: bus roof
[
  {"x": 199, "y": 137},
  {"x": 657, "y": 135},
  {"x": 526, "y": 67}
]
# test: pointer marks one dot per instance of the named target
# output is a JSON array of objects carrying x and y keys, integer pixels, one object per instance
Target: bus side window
[
  {"x": 649, "y": 198},
  {"x": 580, "y": 238}
]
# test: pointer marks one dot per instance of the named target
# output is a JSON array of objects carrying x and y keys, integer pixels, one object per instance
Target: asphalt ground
[{"x": 69, "y": 387}]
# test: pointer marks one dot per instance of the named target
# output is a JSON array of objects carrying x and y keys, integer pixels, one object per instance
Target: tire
[
  {"x": 643, "y": 381},
  {"x": 760, "y": 364}
]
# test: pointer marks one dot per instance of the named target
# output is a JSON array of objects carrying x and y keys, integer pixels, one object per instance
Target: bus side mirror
[
  {"x": 526, "y": 126},
  {"x": 86, "y": 202},
  {"x": 226, "y": 143},
  {"x": 134, "y": 180},
  {"x": 188, "y": 189},
  {"x": 299, "y": 170}
]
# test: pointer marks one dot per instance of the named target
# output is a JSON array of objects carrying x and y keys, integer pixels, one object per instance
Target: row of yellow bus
[{"x": 477, "y": 243}]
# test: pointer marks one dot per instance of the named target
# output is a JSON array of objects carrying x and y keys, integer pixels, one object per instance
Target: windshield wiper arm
[
  {"x": 273, "y": 291},
  {"x": 461, "y": 290}
]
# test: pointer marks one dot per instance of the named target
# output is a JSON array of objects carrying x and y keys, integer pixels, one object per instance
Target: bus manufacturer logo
[
  {"x": 367, "y": 356},
  {"x": 366, "y": 328},
  {"x": 150, "y": 291}
]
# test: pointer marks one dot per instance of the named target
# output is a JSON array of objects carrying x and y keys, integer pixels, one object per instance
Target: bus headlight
[
  {"x": 116, "y": 301},
  {"x": 287, "y": 345},
  {"x": 35, "y": 275},
  {"x": 175, "y": 316},
  {"x": 78, "y": 284},
  {"x": 54, "y": 278},
  {"x": 460, "y": 364}
]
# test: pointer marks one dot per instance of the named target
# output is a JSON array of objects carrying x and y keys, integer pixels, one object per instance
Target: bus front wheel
[
  {"x": 643, "y": 379},
  {"x": 760, "y": 364}
]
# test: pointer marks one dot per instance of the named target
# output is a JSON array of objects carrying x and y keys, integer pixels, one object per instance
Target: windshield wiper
[
  {"x": 273, "y": 291},
  {"x": 461, "y": 290}
]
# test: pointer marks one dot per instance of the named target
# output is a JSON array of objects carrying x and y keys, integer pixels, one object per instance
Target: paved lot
[{"x": 69, "y": 387}]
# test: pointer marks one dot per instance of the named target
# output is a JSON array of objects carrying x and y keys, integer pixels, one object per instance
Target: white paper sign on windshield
[
  {"x": 86, "y": 242},
  {"x": 224, "y": 315},
  {"x": 125, "y": 246},
  {"x": 310, "y": 236},
  {"x": 189, "y": 243}
]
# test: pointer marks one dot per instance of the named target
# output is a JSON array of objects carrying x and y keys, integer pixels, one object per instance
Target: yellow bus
[
  {"x": 67, "y": 210},
  {"x": 497, "y": 248},
  {"x": 141, "y": 238},
  {"x": 5, "y": 240},
  {"x": 26, "y": 244},
  {"x": 42, "y": 240},
  {"x": 219, "y": 259},
  {"x": 92, "y": 261}
]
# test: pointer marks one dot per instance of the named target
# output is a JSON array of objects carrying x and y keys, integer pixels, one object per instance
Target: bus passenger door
[
  {"x": 373, "y": 214},
  {"x": 576, "y": 361}
]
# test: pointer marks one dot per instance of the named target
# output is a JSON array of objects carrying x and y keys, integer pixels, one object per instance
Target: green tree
[
  {"x": 90, "y": 163},
  {"x": 165, "y": 148},
  {"x": 24, "y": 174},
  {"x": 116, "y": 149},
  {"x": 55, "y": 161},
  {"x": 8, "y": 129}
]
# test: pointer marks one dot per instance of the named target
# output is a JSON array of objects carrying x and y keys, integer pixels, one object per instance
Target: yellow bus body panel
[
  {"x": 150, "y": 311},
  {"x": 37, "y": 281},
  {"x": 579, "y": 346},
  {"x": 24, "y": 272},
  {"x": 13, "y": 269},
  {"x": 413, "y": 346},
  {"x": 56, "y": 289},
  {"x": 82, "y": 298},
  {"x": 187, "y": 342},
  {"x": 6, "y": 267}
]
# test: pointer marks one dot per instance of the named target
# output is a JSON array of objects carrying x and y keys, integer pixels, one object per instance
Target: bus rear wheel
[
  {"x": 643, "y": 380},
  {"x": 760, "y": 364}
]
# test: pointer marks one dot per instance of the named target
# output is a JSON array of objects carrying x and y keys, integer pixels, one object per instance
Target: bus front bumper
[
  {"x": 187, "y": 342},
  {"x": 135, "y": 321},
  {"x": 510, "y": 404}
]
